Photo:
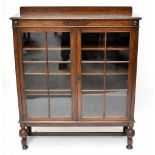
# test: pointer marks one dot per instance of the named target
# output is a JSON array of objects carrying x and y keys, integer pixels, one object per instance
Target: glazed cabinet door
[
  {"x": 104, "y": 66},
  {"x": 47, "y": 69}
]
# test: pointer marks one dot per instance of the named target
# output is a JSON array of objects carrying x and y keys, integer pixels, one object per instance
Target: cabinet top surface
[{"x": 63, "y": 13}]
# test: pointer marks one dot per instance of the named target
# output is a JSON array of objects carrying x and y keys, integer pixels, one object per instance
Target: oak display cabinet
[{"x": 76, "y": 66}]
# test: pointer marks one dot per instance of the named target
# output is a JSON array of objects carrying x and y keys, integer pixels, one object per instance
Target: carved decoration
[
  {"x": 23, "y": 133},
  {"x": 136, "y": 23},
  {"x": 130, "y": 132},
  {"x": 75, "y": 23},
  {"x": 15, "y": 23}
]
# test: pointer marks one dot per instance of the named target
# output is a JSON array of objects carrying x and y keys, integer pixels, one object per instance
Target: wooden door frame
[
  {"x": 130, "y": 75},
  {"x": 73, "y": 73}
]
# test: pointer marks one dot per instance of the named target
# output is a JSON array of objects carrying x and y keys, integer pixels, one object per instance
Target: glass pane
[
  {"x": 92, "y": 82},
  {"x": 59, "y": 82},
  {"x": 58, "y": 55},
  {"x": 117, "y": 68},
  {"x": 93, "y": 39},
  {"x": 118, "y": 39},
  {"x": 116, "y": 82},
  {"x": 58, "y": 46},
  {"x": 99, "y": 75},
  {"x": 58, "y": 39},
  {"x": 37, "y": 106},
  {"x": 119, "y": 55},
  {"x": 56, "y": 68},
  {"x": 116, "y": 104},
  {"x": 34, "y": 50},
  {"x": 30, "y": 55},
  {"x": 59, "y": 67},
  {"x": 92, "y": 68},
  {"x": 92, "y": 52},
  {"x": 92, "y": 105},
  {"x": 87, "y": 55},
  {"x": 59, "y": 60},
  {"x": 60, "y": 106},
  {"x": 35, "y": 68},
  {"x": 33, "y": 39},
  {"x": 116, "y": 76},
  {"x": 92, "y": 47},
  {"x": 35, "y": 82},
  {"x": 34, "y": 46}
]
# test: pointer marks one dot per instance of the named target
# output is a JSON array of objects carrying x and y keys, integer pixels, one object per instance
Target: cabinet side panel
[
  {"x": 17, "y": 68},
  {"x": 134, "y": 71}
]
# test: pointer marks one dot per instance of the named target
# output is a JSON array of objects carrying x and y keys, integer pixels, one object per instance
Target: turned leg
[
  {"x": 24, "y": 143},
  {"x": 130, "y": 133},
  {"x": 23, "y": 133}
]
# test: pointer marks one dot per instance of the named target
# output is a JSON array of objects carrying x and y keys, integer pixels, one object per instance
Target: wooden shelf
[
  {"x": 84, "y": 48},
  {"x": 27, "y": 73},
  {"x": 67, "y": 62},
  {"x": 34, "y": 48},
  {"x": 86, "y": 74},
  {"x": 117, "y": 61},
  {"x": 114, "y": 74},
  {"x": 118, "y": 48},
  {"x": 48, "y": 94},
  {"x": 102, "y": 90},
  {"x": 29, "y": 62},
  {"x": 98, "y": 48},
  {"x": 33, "y": 62},
  {"x": 54, "y": 93},
  {"x": 44, "y": 48},
  {"x": 46, "y": 90},
  {"x": 90, "y": 69},
  {"x": 68, "y": 92},
  {"x": 87, "y": 62}
]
